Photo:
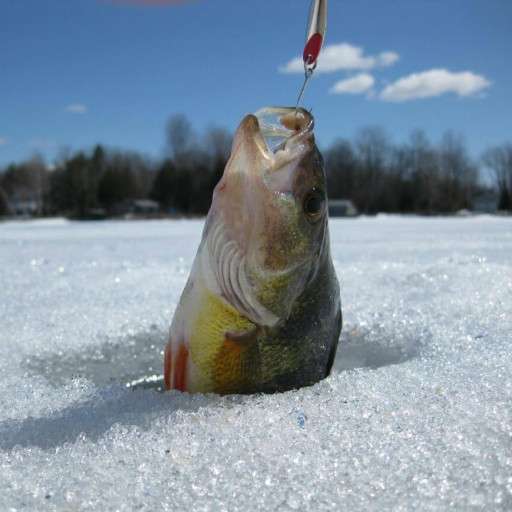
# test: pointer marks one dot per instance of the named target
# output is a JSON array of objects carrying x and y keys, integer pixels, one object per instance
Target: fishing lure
[{"x": 315, "y": 36}]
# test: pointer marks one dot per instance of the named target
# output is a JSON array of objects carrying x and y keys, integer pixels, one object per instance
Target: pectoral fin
[{"x": 237, "y": 367}]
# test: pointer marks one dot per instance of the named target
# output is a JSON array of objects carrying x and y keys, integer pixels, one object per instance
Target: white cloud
[
  {"x": 434, "y": 82},
  {"x": 342, "y": 56},
  {"x": 4, "y": 141},
  {"x": 296, "y": 65},
  {"x": 355, "y": 85},
  {"x": 388, "y": 58},
  {"x": 76, "y": 108},
  {"x": 41, "y": 143}
]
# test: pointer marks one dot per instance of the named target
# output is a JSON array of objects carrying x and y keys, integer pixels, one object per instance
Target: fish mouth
[{"x": 282, "y": 134}]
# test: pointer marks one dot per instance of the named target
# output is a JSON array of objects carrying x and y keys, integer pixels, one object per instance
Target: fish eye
[{"x": 314, "y": 203}]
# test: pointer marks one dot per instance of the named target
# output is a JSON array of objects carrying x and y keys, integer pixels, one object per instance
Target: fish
[{"x": 261, "y": 310}]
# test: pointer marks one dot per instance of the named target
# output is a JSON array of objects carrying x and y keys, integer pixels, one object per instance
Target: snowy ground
[{"x": 417, "y": 414}]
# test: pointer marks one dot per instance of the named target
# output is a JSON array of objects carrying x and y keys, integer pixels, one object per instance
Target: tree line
[
  {"x": 377, "y": 175},
  {"x": 83, "y": 184},
  {"x": 417, "y": 176}
]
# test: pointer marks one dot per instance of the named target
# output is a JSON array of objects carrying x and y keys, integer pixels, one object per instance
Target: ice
[{"x": 416, "y": 415}]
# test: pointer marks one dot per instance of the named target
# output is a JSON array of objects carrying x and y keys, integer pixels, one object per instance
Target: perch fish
[{"x": 261, "y": 309}]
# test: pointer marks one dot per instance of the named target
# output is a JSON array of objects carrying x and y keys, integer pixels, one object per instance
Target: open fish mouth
[{"x": 282, "y": 134}]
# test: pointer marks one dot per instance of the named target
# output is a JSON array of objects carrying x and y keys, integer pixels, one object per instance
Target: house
[
  {"x": 137, "y": 207},
  {"x": 486, "y": 202},
  {"x": 23, "y": 209},
  {"x": 342, "y": 208}
]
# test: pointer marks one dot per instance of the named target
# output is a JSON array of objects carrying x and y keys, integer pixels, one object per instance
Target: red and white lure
[{"x": 315, "y": 36}]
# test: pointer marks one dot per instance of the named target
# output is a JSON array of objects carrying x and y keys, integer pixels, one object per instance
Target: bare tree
[
  {"x": 39, "y": 181},
  {"x": 218, "y": 143},
  {"x": 499, "y": 160},
  {"x": 423, "y": 173},
  {"x": 341, "y": 170},
  {"x": 140, "y": 168},
  {"x": 459, "y": 174},
  {"x": 373, "y": 148},
  {"x": 4, "y": 203},
  {"x": 419, "y": 147},
  {"x": 27, "y": 183},
  {"x": 179, "y": 137}
]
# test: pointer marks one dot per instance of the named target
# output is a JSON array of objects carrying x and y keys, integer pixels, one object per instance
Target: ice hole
[
  {"x": 137, "y": 361},
  {"x": 374, "y": 347}
]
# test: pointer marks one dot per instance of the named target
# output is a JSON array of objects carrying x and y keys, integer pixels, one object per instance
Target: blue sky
[{"x": 77, "y": 72}]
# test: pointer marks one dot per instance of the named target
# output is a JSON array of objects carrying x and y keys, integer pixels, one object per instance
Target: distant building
[
  {"x": 486, "y": 202},
  {"x": 137, "y": 207},
  {"x": 22, "y": 203},
  {"x": 23, "y": 209},
  {"x": 342, "y": 208}
]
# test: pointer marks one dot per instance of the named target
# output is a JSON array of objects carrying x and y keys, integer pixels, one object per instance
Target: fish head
[{"x": 272, "y": 207}]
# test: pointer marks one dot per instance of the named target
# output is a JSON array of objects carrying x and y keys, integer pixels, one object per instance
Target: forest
[{"x": 378, "y": 176}]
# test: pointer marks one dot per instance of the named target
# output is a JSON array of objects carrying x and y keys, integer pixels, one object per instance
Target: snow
[{"x": 416, "y": 415}]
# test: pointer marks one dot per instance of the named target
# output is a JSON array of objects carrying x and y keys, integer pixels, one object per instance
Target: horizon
[{"x": 113, "y": 72}]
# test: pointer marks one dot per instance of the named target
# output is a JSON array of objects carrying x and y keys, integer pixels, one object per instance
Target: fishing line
[{"x": 308, "y": 73}]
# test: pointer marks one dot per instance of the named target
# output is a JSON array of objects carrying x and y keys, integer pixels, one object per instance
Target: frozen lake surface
[{"x": 417, "y": 414}]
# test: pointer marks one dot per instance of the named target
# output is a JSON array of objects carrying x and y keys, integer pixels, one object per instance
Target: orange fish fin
[
  {"x": 168, "y": 364},
  {"x": 180, "y": 369}
]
